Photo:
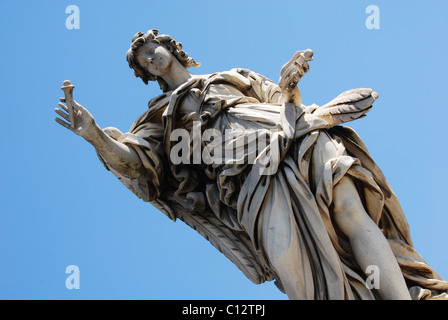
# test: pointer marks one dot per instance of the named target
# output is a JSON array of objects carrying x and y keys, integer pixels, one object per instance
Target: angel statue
[{"x": 283, "y": 190}]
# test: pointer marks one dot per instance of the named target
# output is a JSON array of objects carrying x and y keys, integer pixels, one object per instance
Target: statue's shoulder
[
  {"x": 239, "y": 72},
  {"x": 247, "y": 75},
  {"x": 237, "y": 76}
]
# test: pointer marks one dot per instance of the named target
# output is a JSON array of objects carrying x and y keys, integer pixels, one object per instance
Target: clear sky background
[{"x": 60, "y": 207}]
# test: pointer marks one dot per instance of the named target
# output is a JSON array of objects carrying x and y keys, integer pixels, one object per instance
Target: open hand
[
  {"x": 295, "y": 69},
  {"x": 83, "y": 122},
  {"x": 290, "y": 75}
]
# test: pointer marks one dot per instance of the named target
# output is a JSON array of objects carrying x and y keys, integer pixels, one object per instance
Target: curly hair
[{"x": 169, "y": 43}]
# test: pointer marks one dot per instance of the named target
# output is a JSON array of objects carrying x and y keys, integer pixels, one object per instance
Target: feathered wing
[
  {"x": 349, "y": 105},
  {"x": 235, "y": 245}
]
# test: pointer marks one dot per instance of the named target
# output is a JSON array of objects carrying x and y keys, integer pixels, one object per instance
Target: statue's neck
[{"x": 177, "y": 76}]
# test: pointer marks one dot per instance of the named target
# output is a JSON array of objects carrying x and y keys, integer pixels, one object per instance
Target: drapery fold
[{"x": 287, "y": 211}]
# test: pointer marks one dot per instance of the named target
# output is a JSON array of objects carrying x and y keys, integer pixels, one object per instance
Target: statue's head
[{"x": 152, "y": 36}]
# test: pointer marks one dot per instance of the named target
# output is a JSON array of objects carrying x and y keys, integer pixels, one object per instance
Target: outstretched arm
[{"x": 121, "y": 157}]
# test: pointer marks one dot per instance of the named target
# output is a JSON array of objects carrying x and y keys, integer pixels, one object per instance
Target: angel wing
[
  {"x": 235, "y": 245},
  {"x": 349, "y": 105}
]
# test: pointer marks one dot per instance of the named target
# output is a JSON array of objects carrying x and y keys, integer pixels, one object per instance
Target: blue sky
[{"x": 59, "y": 207}]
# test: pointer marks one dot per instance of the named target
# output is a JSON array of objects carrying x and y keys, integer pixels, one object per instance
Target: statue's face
[{"x": 155, "y": 58}]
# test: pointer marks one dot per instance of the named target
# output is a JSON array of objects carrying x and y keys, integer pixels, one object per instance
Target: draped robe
[{"x": 286, "y": 213}]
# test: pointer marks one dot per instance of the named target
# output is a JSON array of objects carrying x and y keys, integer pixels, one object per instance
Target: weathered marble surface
[{"x": 315, "y": 217}]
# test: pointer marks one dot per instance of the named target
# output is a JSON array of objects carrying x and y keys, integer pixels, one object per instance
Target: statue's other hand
[
  {"x": 83, "y": 121},
  {"x": 295, "y": 69}
]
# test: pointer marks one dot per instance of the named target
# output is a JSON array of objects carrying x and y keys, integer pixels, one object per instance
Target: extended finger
[
  {"x": 284, "y": 81},
  {"x": 291, "y": 61},
  {"x": 295, "y": 78},
  {"x": 62, "y": 123},
  {"x": 62, "y": 114},
  {"x": 66, "y": 108},
  {"x": 306, "y": 66},
  {"x": 290, "y": 69},
  {"x": 63, "y": 106},
  {"x": 62, "y": 99},
  {"x": 300, "y": 63},
  {"x": 301, "y": 69}
]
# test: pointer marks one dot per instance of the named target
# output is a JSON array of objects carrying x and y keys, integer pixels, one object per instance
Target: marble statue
[{"x": 297, "y": 199}]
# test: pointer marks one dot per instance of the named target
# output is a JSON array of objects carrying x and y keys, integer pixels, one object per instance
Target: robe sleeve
[
  {"x": 262, "y": 88},
  {"x": 145, "y": 138}
]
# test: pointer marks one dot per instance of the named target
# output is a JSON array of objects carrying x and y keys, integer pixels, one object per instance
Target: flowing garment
[{"x": 287, "y": 212}]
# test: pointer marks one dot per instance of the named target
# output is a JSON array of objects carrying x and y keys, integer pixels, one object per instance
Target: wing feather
[
  {"x": 235, "y": 245},
  {"x": 349, "y": 105}
]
